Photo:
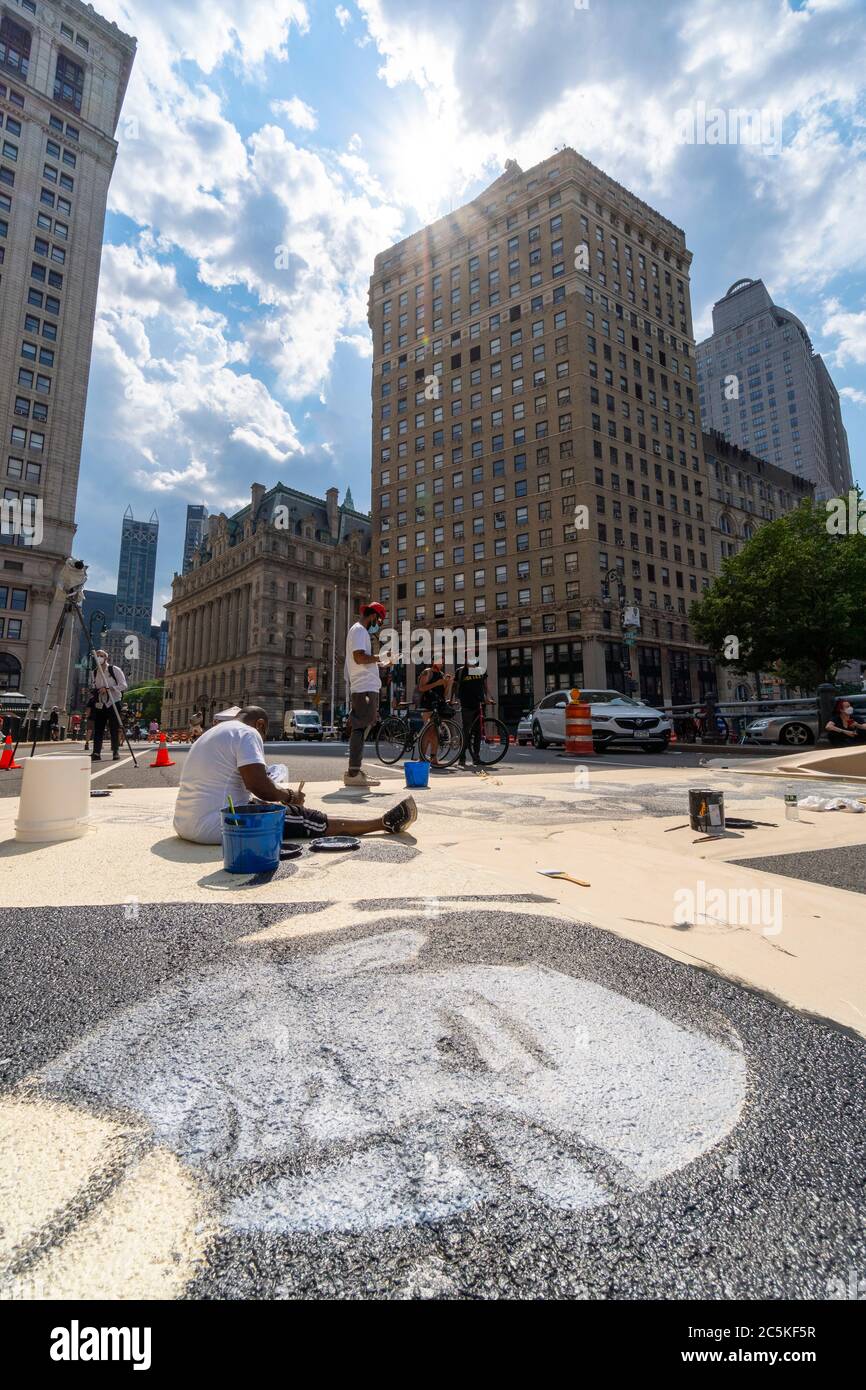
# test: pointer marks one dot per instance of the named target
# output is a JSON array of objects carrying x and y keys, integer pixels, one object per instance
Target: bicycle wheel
[
  {"x": 450, "y": 742},
  {"x": 493, "y": 744},
  {"x": 393, "y": 739}
]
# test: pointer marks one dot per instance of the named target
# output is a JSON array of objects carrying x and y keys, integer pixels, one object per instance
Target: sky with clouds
[{"x": 270, "y": 148}]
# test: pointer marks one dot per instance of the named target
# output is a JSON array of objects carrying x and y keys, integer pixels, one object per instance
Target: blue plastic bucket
[
  {"x": 252, "y": 838},
  {"x": 417, "y": 774}
]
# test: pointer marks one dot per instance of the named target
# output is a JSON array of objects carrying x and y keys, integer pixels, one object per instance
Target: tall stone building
[
  {"x": 762, "y": 385},
  {"x": 536, "y": 431},
  {"x": 63, "y": 76},
  {"x": 746, "y": 492},
  {"x": 257, "y": 618}
]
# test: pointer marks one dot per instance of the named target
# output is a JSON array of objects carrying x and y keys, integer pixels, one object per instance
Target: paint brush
[{"x": 562, "y": 873}]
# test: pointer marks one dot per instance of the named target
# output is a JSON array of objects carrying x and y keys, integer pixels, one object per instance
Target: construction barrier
[{"x": 578, "y": 728}]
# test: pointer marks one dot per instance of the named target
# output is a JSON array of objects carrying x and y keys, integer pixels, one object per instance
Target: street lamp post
[{"x": 627, "y": 635}]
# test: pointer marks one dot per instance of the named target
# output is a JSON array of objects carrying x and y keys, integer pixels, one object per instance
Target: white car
[{"x": 617, "y": 719}]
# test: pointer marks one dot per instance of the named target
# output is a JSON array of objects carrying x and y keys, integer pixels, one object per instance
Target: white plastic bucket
[{"x": 55, "y": 798}]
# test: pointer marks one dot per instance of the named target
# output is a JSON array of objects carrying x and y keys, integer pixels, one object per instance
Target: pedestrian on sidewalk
[
  {"x": 365, "y": 684},
  {"x": 108, "y": 685},
  {"x": 434, "y": 692}
]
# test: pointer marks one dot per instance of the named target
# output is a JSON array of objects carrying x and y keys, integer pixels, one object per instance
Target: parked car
[
  {"x": 794, "y": 728},
  {"x": 302, "y": 724},
  {"x": 524, "y": 728},
  {"x": 617, "y": 720}
]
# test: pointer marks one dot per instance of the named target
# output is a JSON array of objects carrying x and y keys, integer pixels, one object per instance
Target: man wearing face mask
[
  {"x": 109, "y": 682},
  {"x": 362, "y": 672}
]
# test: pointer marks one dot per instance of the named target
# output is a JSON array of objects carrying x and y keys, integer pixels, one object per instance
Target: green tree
[
  {"x": 795, "y": 594},
  {"x": 148, "y": 695}
]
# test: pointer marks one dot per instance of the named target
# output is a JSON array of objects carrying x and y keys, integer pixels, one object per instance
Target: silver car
[
  {"x": 524, "y": 728},
  {"x": 617, "y": 720},
  {"x": 794, "y": 729}
]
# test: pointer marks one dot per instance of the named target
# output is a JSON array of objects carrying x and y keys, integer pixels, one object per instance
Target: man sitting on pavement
[{"x": 229, "y": 761}]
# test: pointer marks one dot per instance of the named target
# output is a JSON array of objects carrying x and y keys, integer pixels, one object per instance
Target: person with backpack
[{"x": 109, "y": 684}]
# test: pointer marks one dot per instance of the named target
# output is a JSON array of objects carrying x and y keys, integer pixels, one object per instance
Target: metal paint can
[{"x": 707, "y": 811}]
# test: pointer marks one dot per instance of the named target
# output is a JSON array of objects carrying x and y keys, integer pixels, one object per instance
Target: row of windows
[
  {"x": 52, "y": 175},
  {"x": 29, "y": 471},
  {"x": 9, "y": 94},
  {"x": 26, "y": 409},
  {"x": 16, "y": 599},
  {"x": 19, "y": 440}
]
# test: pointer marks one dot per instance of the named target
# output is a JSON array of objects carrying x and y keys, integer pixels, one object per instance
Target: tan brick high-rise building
[
  {"x": 533, "y": 355},
  {"x": 63, "y": 76},
  {"x": 267, "y": 598}
]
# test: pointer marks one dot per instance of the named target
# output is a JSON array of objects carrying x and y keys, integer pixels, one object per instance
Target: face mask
[{"x": 374, "y": 628}]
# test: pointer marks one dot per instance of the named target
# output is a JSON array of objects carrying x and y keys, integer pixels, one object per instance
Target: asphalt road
[
  {"x": 320, "y": 762},
  {"x": 472, "y": 1104}
]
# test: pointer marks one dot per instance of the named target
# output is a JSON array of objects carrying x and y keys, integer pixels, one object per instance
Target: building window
[
  {"x": 69, "y": 82},
  {"x": 14, "y": 46}
]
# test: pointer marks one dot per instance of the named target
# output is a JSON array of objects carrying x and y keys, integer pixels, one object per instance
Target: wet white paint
[{"x": 384, "y": 1093}]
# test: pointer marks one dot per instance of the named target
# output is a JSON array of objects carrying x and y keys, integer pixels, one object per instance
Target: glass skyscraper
[{"x": 136, "y": 574}]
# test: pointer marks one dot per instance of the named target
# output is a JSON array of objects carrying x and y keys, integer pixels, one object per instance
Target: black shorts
[{"x": 303, "y": 823}]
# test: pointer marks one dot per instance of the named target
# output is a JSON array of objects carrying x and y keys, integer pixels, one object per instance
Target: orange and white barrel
[{"x": 578, "y": 727}]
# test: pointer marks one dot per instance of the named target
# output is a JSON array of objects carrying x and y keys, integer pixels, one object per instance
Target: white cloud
[
  {"x": 849, "y": 327},
  {"x": 296, "y": 112},
  {"x": 851, "y": 393},
  {"x": 167, "y": 480},
  {"x": 343, "y": 16}
]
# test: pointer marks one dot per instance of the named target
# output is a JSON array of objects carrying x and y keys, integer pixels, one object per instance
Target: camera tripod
[{"x": 71, "y": 605}]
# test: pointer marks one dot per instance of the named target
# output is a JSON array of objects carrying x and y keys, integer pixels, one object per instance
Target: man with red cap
[{"x": 362, "y": 673}]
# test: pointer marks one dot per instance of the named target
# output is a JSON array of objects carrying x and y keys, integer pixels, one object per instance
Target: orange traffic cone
[
  {"x": 7, "y": 762},
  {"x": 162, "y": 759}
]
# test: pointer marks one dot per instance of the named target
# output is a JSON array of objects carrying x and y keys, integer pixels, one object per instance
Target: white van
[{"x": 302, "y": 724}]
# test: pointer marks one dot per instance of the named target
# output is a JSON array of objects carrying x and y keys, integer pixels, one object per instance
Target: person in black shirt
[
  {"x": 434, "y": 691},
  {"x": 470, "y": 688}
]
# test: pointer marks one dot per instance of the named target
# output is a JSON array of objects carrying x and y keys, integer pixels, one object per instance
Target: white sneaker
[{"x": 359, "y": 779}]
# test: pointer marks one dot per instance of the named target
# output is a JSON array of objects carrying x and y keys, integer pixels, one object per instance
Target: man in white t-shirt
[
  {"x": 229, "y": 761},
  {"x": 362, "y": 674}
]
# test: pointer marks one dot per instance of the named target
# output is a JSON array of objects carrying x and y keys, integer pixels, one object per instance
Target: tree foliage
[
  {"x": 148, "y": 695},
  {"x": 795, "y": 595}
]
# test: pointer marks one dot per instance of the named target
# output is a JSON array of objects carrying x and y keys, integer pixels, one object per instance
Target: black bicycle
[
  {"x": 489, "y": 737},
  {"x": 396, "y": 738}
]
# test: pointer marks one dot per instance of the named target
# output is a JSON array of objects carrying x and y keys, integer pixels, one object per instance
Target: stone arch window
[
  {"x": 10, "y": 672},
  {"x": 725, "y": 525},
  {"x": 748, "y": 531}
]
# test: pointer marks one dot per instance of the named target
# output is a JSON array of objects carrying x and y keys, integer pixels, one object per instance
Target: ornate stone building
[{"x": 270, "y": 592}]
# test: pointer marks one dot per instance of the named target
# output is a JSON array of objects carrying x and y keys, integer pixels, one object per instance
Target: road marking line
[{"x": 112, "y": 767}]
